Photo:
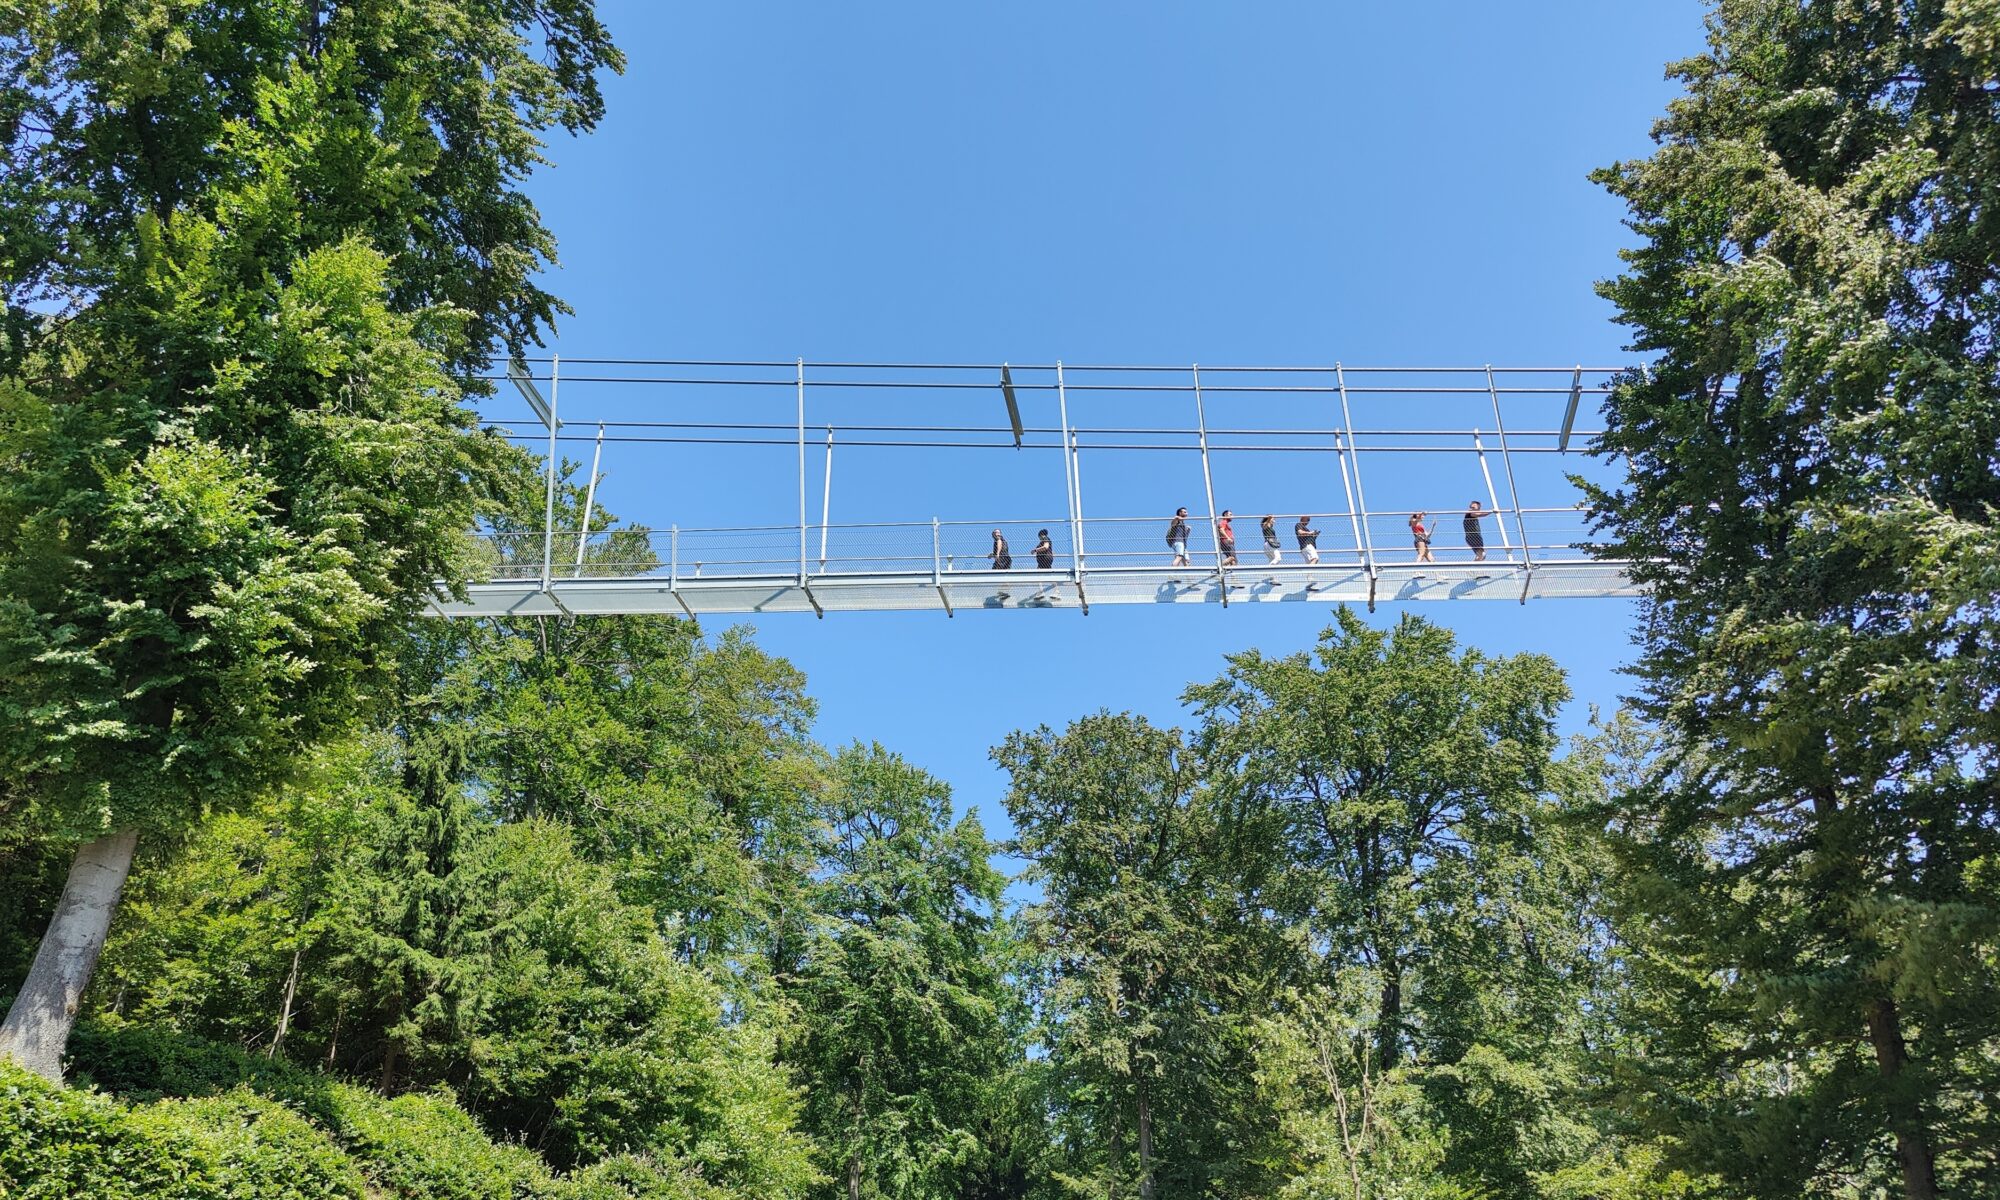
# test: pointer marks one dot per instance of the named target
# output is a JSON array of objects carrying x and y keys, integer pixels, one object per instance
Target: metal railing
[{"x": 952, "y": 547}]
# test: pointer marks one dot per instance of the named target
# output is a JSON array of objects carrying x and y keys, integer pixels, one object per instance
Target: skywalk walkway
[{"x": 1423, "y": 417}]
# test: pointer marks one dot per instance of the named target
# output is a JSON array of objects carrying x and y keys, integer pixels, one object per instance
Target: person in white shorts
[
  {"x": 1308, "y": 539},
  {"x": 1177, "y": 537},
  {"x": 1269, "y": 528}
]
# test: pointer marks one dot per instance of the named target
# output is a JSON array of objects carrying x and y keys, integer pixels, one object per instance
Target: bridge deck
[{"x": 958, "y": 591}]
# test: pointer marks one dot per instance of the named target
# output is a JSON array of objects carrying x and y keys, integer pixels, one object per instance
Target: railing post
[
  {"x": 1076, "y": 468},
  {"x": 674, "y": 569},
  {"x": 1208, "y": 486},
  {"x": 1507, "y": 465},
  {"x": 549, "y": 504},
  {"x": 937, "y": 570},
  {"x": 826, "y": 500}
]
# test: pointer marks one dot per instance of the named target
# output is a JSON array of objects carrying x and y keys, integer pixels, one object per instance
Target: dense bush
[
  {"x": 210, "y": 1119},
  {"x": 55, "y": 1142},
  {"x": 253, "y": 1147}
]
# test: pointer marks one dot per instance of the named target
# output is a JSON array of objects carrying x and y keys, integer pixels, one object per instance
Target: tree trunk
[
  {"x": 285, "y": 1009},
  {"x": 1145, "y": 1113},
  {"x": 1389, "y": 1022},
  {"x": 37, "y": 1027},
  {"x": 1913, "y": 1146}
]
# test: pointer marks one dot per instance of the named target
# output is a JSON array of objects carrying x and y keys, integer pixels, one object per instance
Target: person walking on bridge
[
  {"x": 1474, "y": 536},
  {"x": 1045, "y": 552},
  {"x": 1177, "y": 536},
  {"x": 1225, "y": 539},
  {"x": 1003, "y": 560},
  {"x": 1269, "y": 528},
  {"x": 1421, "y": 535},
  {"x": 1308, "y": 538}
]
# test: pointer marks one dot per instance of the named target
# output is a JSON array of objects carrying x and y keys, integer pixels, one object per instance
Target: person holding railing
[
  {"x": 1421, "y": 535},
  {"x": 1003, "y": 560},
  {"x": 1308, "y": 539},
  {"x": 1474, "y": 536},
  {"x": 1177, "y": 536},
  {"x": 1045, "y": 552}
]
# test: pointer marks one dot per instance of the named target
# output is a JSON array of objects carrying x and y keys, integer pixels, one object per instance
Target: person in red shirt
[
  {"x": 1422, "y": 536},
  {"x": 1225, "y": 538}
]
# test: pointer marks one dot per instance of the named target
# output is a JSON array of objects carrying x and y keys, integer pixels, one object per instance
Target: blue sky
[{"x": 1097, "y": 182}]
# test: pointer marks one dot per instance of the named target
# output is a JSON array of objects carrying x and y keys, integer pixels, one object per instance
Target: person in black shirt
[
  {"x": 1003, "y": 560},
  {"x": 1045, "y": 551},
  {"x": 1308, "y": 540},
  {"x": 1269, "y": 528},
  {"x": 1177, "y": 537},
  {"x": 1474, "y": 537}
]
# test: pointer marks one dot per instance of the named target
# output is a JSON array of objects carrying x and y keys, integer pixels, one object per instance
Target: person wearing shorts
[
  {"x": 1475, "y": 538},
  {"x": 1422, "y": 537},
  {"x": 1225, "y": 539},
  {"x": 1308, "y": 539},
  {"x": 1177, "y": 537},
  {"x": 1269, "y": 528}
]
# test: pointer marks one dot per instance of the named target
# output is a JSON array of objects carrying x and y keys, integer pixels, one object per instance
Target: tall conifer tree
[{"x": 1813, "y": 874}]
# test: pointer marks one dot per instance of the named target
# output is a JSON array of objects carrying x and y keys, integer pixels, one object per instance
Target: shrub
[
  {"x": 639, "y": 1177},
  {"x": 56, "y": 1142},
  {"x": 425, "y": 1147},
  {"x": 254, "y": 1148}
]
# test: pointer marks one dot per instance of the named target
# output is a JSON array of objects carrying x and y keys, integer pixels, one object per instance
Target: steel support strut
[
  {"x": 1507, "y": 465},
  {"x": 1208, "y": 487},
  {"x": 1360, "y": 493},
  {"x": 589, "y": 502},
  {"x": 1072, "y": 490}
]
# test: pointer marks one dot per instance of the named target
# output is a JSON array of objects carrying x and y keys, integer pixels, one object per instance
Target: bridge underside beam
[{"x": 972, "y": 590}]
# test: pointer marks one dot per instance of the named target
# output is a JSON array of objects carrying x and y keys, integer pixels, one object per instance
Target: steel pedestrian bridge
[{"x": 1514, "y": 436}]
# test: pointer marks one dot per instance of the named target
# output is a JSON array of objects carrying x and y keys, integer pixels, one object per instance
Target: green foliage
[
  {"x": 257, "y": 1147},
  {"x": 898, "y": 997},
  {"x": 294, "y": 123},
  {"x": 424, "y": 1145},
  {"x": 416, "y": 1145},
  {"x": 440, "y": 948},
  {"x": 1143, "y": 993},
  {"x": 57, "y": 1143},
  {"x": 1813, "y": 493}
]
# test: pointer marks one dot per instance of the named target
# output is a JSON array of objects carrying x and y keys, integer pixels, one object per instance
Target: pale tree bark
[
  {"x": 37, "y": 1027},
  {"x": 285, "y": 1010}
]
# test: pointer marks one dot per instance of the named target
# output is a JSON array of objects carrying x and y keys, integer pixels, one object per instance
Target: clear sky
[{"x": 1099, "y": 182}]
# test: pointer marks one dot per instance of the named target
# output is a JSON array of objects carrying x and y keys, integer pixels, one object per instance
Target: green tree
[
  {"x": 1398, "y": 806},
  {"x": 680, "y": 760},
  {"x": 900, "y": 1034},
  {"x": 1140, "y": 989},
  {"x": 1810, "y": 870},
  {"x": 245, "y": 242}
]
